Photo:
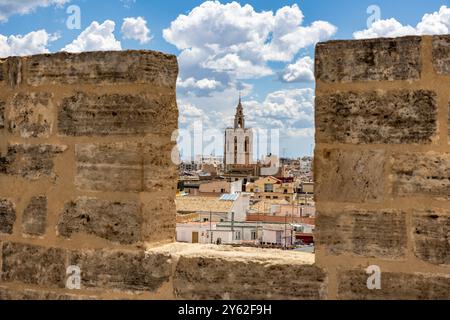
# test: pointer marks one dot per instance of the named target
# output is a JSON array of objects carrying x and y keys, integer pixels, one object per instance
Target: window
[
  {"x": 285, "y": 190},
  {"x": 253, "y": 235},
  {"x": 222, "y": 190},
  {"x": 237, "y": 235},
  {"x": 275, "y": 197},
  {"x": 205, "y": 219},
  {"x": 268, "y": 187}
]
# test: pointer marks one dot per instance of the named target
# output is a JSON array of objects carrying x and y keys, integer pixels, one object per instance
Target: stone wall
[
  {"x": 86, "y": 181},
  {"x": 86, "y": 177},
  {"x": 382, "y": 166}
]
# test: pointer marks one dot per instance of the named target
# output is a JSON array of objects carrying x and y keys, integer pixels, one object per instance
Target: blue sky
[{"x": 263, "y": 48}]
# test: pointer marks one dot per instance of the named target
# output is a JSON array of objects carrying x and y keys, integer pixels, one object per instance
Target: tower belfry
[
  {"x": 238, "y": 141},
  {"x": 239, "y": 119}
]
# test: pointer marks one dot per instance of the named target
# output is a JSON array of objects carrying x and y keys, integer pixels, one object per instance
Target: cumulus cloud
[
  {"x": 96, "y": 37},
  {"x": 432, "y": 23},
  {"x": 283, "y": 109},
  {"x": 136, "y": 29},
  {"x": 189, "y": 112},
  {"x": 202, "y": 87},
  {"x": 300, "y": 71},
  {"x": 225, "y": 42},
  {"x": 12, "y": 7},
  {"x": 21, "y": 45}
]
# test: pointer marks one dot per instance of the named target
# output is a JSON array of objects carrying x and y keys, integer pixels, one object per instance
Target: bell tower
[{"x": 239, "y": 119}]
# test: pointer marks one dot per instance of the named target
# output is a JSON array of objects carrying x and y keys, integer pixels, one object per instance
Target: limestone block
[
  {"x": 376, "y": 117},
  {"x": 31, "y": 115},
  {"x": 7, "y": 216},
  {"x": 220, "y": 278},
  {"x": 2, "y": 114},
  {"x": 115, "y": 221},
  {"x": 363, "y": 233},
  {"x": 30, "y": 161},
  {"x": 117, "y": 114},
  {"x": 125, "y": 166},
  {"x": 100, "y": 68},
  {"x": 369, "y": 60},
  {"x": 34, "y": 219},
  {"x": 349, "y": 175},
  {"x": 441, "y": 54},
  {"x": 38, "y": 294},
  {"x": 421, "y": 174},
  {"x": 122, "y": 270},
  {"x": 352, "y": 284},
  {"x": 431, "y": 236},
  {"x": 32, "y": 264}
]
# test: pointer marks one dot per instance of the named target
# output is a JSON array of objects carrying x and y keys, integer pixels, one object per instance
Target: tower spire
[{"x": 239, "y": 120}]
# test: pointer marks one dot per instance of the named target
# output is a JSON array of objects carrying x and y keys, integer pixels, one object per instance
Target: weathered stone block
[
  {"x": 122, "y": 270},
  {"x": 117, "y": 114},
  {"x": 30, "y": 161},
  {"x": 352, "y": 285},
  {"x": 421, "y": 174},
  {"x": 2, "y": 114},
  {"x": 124, "y": 166},
  {"x": 362, "y": 233},
  {"x": 112, "y": 220},
  {"x": 31, "y": 114},
  {"x": 369, "y": 60},
  {"x": 159, "y": 216},
  {"x": 34, "y": 219},
  {"x": 431, "y": 236},
  {"x": 33, "y": 294},
  {"x": 112, "y": 67},
  {"x": 160, "y": 173},
  {"x": 33, "y": 264},
  {"x": 376, "y": 117},
  {"x": 349, "y": 175},
  {"x": 441, "y": 54},
  {"x": 11, "y": 71},
  {"x": 109, "y": 167},
  {"x": 235, "y": 279},
  {"x": 7, "y": 216}
]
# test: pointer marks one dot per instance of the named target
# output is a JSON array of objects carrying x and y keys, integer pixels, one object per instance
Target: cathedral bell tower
[{"x": 238, "y": 141}]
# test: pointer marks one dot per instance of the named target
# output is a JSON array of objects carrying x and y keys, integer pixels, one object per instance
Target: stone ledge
[{"x": 221, "y": 272}]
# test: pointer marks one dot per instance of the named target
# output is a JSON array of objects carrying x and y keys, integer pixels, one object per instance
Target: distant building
[
  {"x": 238, "y": 151},
  {"x": 227, "y": 207},
  {"x": 272, "y": 188}
]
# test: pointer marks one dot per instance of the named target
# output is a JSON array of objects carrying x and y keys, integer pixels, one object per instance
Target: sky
[{"x": 263, "y": 49}]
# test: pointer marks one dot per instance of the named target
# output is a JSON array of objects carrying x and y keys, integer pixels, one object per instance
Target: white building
[
  {"x": 238, "y": 141},
  {"x": 195, "y": 232}
]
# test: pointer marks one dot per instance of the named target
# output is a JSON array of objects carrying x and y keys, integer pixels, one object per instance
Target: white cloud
[
  {"x": 188, "y": 113},
  {"x": 226, "y": 42},
  {"x": 96, "y": 37},
  {"x": 199, "y": 84},
  {"x": 32, "y": 43},
  {"x": 431, "y": 23},
  {"x": 136, "y": 29},
  {"x": 11, "y": 7},
  {"x": 300, "y": 71},
  {"x": 283, "y": 109}
]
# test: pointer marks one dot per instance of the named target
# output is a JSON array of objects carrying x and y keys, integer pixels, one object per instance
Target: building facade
[{"x": 238, "y": 142}]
